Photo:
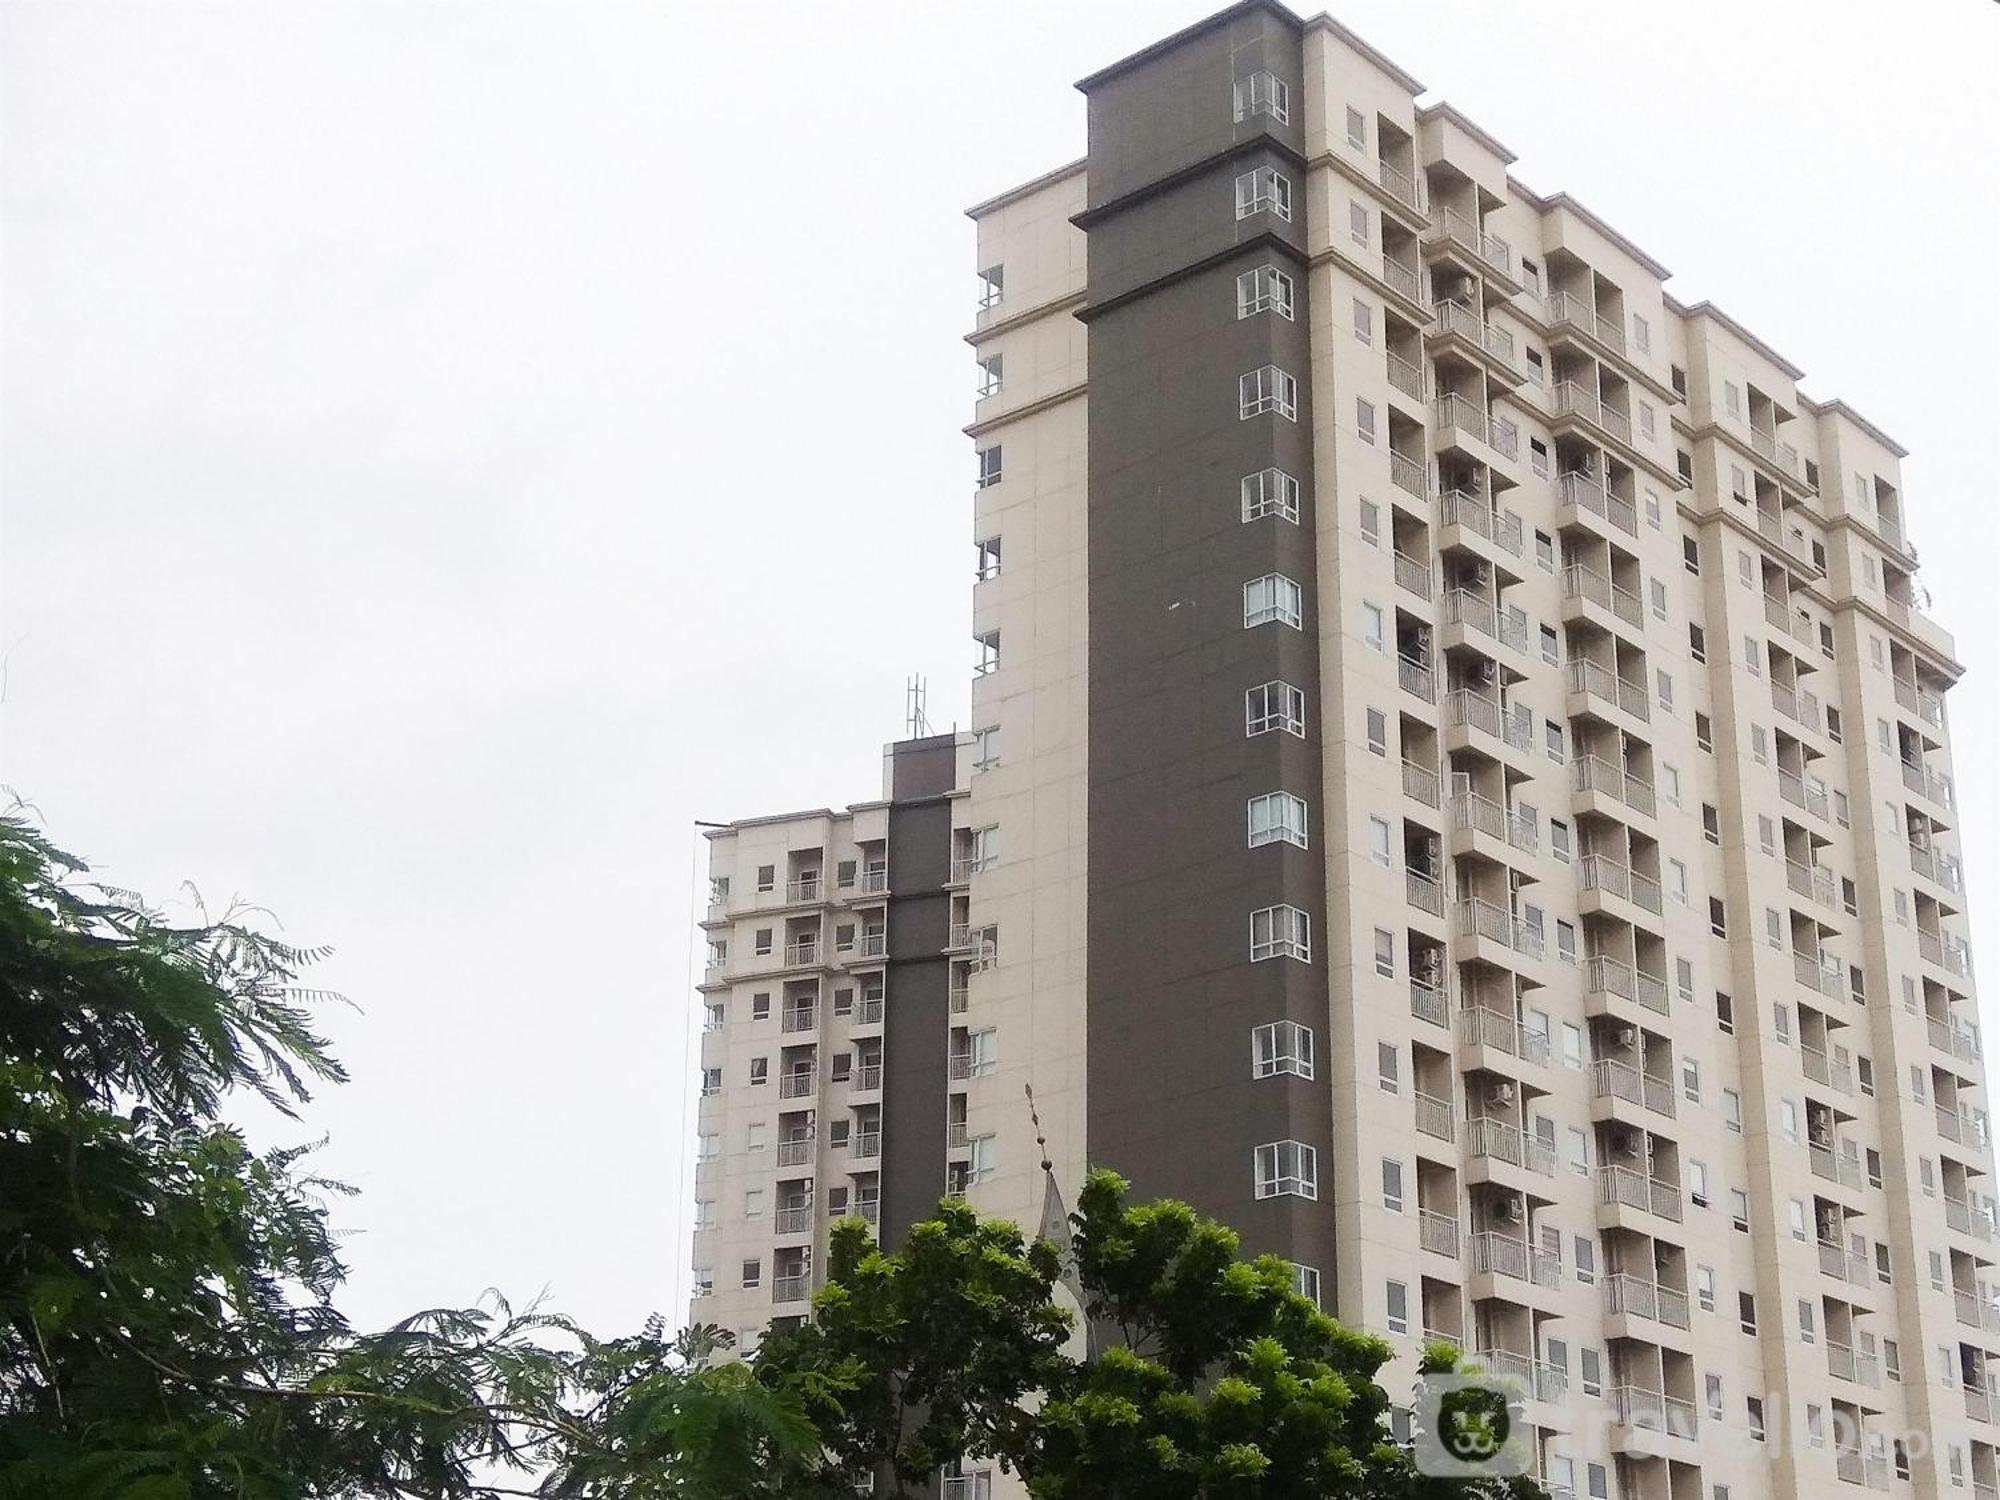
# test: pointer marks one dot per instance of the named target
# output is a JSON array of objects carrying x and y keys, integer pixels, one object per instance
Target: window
[
  {"x": 989, "y": 375},
  {"x": 986, "y": 559},
  {"x": 1281, "y": 1047},
  {"x": 1664, "y": 684},
  {"x": 1646, "y": 418},
  {"x": 1545, "y": 551},
  {"x": 1759, "y": 743},
  {"x": 1746, "y": 1312},
  {"x": 760, "y": 1070},
  {"x": 1357, "y": 224},
  {"x": 1892, "y": 1359},
  {"x": 1718, "y": 917},
  {"x": 1732, "y": 1110},
  {"x": 1725, "y": 1014},
  {"x": 1397, "y": 1300},
  {"x": 1697, "y": 643},
  {"x": 1691, "y": 555},
  {"x": 1371, "y": 522},
  {"x": 1373, "y": 626},
  {"x": 1305, "y": 1281},
  {"x": 1572, "y": 1046},
  {"x": 1388, "y": 1067},
  {"x": 1565, "y": 941},
  {"x": 1691, "y": 1079},
  {"x": 1712, "y": 1389},
  {"x": 1937, "y": 1270},
  {"x": 1732, "y": 399},
  {"x": 1538, "y": 372},
  {"x": 1670, "y": 785},
  {"x": 1531, "y": 275},
  {"x": 1704, "y": 733},
  {"x": 1272, "y": 597},
  {"x": 1657, "y": 592},
  {"x": 753, "y": 1203},
  {"x": 1267, "y": 389},
  {"x": 1559, "y": 843},
  {"x": 986, "y": 748},
  {"x": 1704, "y": 1288},
  {"x": 1739, "y": 1210},
  {"x": 1711, "y": 824},
  {"x": 753, "y": 1273},
  {"x": 1357, "y": 129},
  {"x": 989, "y": 653},
  {"x": 1586, "y": 1260},
  {"x": 1277, "y": 817},
  {"x": 1392, "y": 1185},
  {"x": 1274, "y": 707},
  {"x": 1266, "y": 289},
  {"x": 1653, "y": 509},
  {"x": 1698, "y": 1184},
  {"x": 989, "y": 466},
  {"x": 1364, "y": 420},
  {"x": 1590, "y": 1369},
  {"x": 1797, "y": 1215},
  {"x": 1578, "y": 1142},
  {"x": 1642, "y": 335},
  {"x": 1378, "y": 732},
  {"x": 1270, "y": 492},
  {"x": 1280, "y": 932},
  {"x": 711, "y": 1082},
  {"x": 1551, "y": 647},
  {"x": 1364, "y": 322},
  {"x": 1287, "y": 1169},
  {"x": 1378, "y": 842},
  {"x": 1739, "y": 490},
  {"x": 1263, "y": 93},
  {"x": 1553, "y": 738},
  {"x": 1677, "y": 880},
  {"x": 992, "y": 284},
  {"x": 1538, "y": 456},
  {"x": 1264, "y": 191},
  {"x": 1684, "y": 979}
]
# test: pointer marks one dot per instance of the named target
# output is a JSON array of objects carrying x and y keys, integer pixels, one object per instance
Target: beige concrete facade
[{"x": 1650, "y": 1033}]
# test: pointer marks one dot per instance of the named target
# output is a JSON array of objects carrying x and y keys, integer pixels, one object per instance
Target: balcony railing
[
  {"x": 1602, "y": 873},
  {"x": 1820, "y": 1069},
  {"x": 798, "y": 1084},
  {"x": 869, "y": 1012},
  {"x": 1605, "y": 975},
  {"x": 1585, "y": 493},
  {"x": 1948, "y": 1036},
  {"x": 977, "y": 1486},
  {"x": 1448, "y": 223},
  {"x": 791, "y": 1288},
  {"x": 1800, "y": 793},
  {"x": 799, "y": 1018},
  {"x": 1421, "y": 783},
  {"x": 1921, "y": 701},
  {"x": 1639, "y": 1298},
  {"x": 1464, "y": 320},
  {"x": 1438, "y": 1233},
  {"x": 1925, "y": 782},
  {"x": 805, "y": 888},
  {"x": 1654, "y": 1411},
  {"x": 1816, "y": 974},
  {"x": 1465, "y": 509},
  {"x": 1831, "y": 1166},
  {"x": 1467, "y": 708},
  {"x": 1416, "y": 678},
  {"x": 1586, "y": 583},
  {"x": 797, "y": 1151},
  {"x": 1402, "y": 279},
  {"x": 1408, "y": 475},
  {"x": 1453, "y": 410},
  {"x": 1813, "y": 881},
  {"x": 1399, "y": 185},
  {"x": 1797, "y": 704},
  {"x": 1565, "y": 308},
  {"x": 1505, "y": 437},
  {"x": 802, "y": 951},
  {"x": 866, "y": 1145},
  {"x": 1406, "y": 377},
  {"x": 1572, "y": 399},
  {"x": 1595, "y": 680},
  {"x": 1612, "y": 1079},
  {"x": 868, "y": 1076},
  {"x": 1499, "y": 1141},
  {"x": 1428, "y": 1003},
  {"x": 1423, "y": 892},
  {"x": 1936, "y": 865},
  {"x": 795, "y": 1219},
  {"x": 1635, "y": 1189},
  {"x": 1538, "y": 1380},
  {"x": 1594, "y": 774},
  {"x": 1414, "y": 574},
  {"x": 1480, "y": 1027},
  {"x": 1434, "y": 1117}
]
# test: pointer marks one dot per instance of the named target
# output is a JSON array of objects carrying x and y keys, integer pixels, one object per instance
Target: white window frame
[
  {"x": 1280, "y": 932},
  {"x": 1264, "y": 190},
  {"x": 1274, "y": 707},
  {"x": 1281, "y": 1047},
  {"x": 1263, "y": 93},
  {"x": 1276, "y": 818},
  {"x": 1273, "y": 597},
  {"x": 1270, "y": 492},
  {"x": 1264, "y": 289},
  {"x": 1267, "y": 389},
  {"x": 1286, "y": 1169}
]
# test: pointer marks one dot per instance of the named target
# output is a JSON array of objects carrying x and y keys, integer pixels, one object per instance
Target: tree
[
  {"x": 167, "y": 1318},
  {"x": 1215, "y": 1378}
]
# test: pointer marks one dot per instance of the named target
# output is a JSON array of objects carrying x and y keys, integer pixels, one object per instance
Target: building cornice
[
  {"x": 1707, "y": 309},
  {"x": 1188, "y": 33},
  {"x": 1838, "y": 408},
  {"x": 1451, "y": 114},
  {"x": 1023, "y": 317},
  {"x": 1402, "y": 79},
  {"x": 1026, "y": 189},
  {"x": 1025, "y": 409}
]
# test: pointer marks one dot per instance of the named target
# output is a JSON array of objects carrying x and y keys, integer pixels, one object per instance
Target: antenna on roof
[{"x": 916, "y": 695}]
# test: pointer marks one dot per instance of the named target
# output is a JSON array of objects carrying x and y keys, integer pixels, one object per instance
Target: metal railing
[
  {"x": 1925, "y": 782},
  {"x": 798, "y": 1084},
  {"x": 869, "y": 1011},
  {"x": 1434, "y": 1117},
  {"x": 1593, "y": 774},
  {"x": 1416, "y": 678},
  {"x": 802, "y": 951},
  {"x": 799, "y": 1018},
  {"x": 1499, "y": 1141},
  {"x": 1414, "y": 574},
  {"x": 796, "y": 1218},
  {"x": 1800, "y": 793},
  {"x": 1595, "y": 680},
  {"x": 1438, "y": 1233},
  {"x": 1399, "y": 185},
  {"x": 1464, "y": 320},
  {"x": 1566, "y": 308},
  {"x": 1835, "y": 1074},
  {"x": 1814, "y": 881},
  {"x": 1423, "y": 892},
  {"x": 866, "y": 1145},
  {"x": 1612, "y": 1079},
  {"x": 1640, "y": 1298},
  {"x": 1402, "y": 279},
  {"x": 1606, "y": 975},
  {"x": 1480, "y": 1027},
  {"x": 1421, "y": 783},
  {"x": 1572, "y": 399},
  {"x": 797, "y": 1151},
  {"x": 791, "y": 1288},
  {"x": 1579, "y": 490},
  {"x": 1453, "y": 410},
  {"x": 1655, "y": 1411},
  {"x": 1935, "y": 864},
  {"x": 875, "y": 880},
  {"x": 1586, "y": 583},
  {"x": 1408, "y": 475},
  {"x": 1406, "y": 377},
  {"x": 1635, "y": 1189},
  {"x": 805, "y": 888},
  {"x": 1927, "y": 704},
  {"x": 1600, "y": 872}
]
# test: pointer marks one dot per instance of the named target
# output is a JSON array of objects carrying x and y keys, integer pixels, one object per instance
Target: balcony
[
  {"x": 797, "y": 1151},
  {"x": 1636, "y": 1297},
  {"x": 1585, "y": 585},
  {"x": 1463, "y": 509},
  {"x": 1438, "y": 1233},
  {"x": 977, "y": 1486},
  {"x": 869, "y": 1012},
  {"x": 805, "y": 888},
  {"x": 1448, "y": 225},
  {"x": 1496, "y": 1140},
  {"x": 1563, "y": 310},
  {"x": 1572, "y": 400},
  {"x": 1480, "y": 1027},
  {"x": 1830, "y": 1166},
  {"x": 1845, "y": 1265},
  {"x": 1819, "y": 975},
  {"x": 798, "y": 1084},
  {"x": 1634, "y": 1189},
  {"x": 1578, "y": 495},
  {"x": 1537, "y": 1380},
  {"x": 1460, "y": 320},
  {"x": 1956, "y": 1127},
  {"x": 1428, "y": 1003},
  {"x": 1611, "y": 1079},
  {"x": 1434, "y": 1117},
  {"x": 1604, "y": 975},
  {"x": 1800, "y": 793},
  {"x": 1835, "y": 1075},
  {"x": 1416, "y": 678},
  {"x": 1454, "y": 411},
  {"x": 1781, "y": 456},
  {"x": 1593, "y": 774},
  {"x": 1607, "y": 877},
  {"x": 1949, "y": 953},
  {"x": 1653, "y": 1411},
  {"x": 1593, "y": 681},
  {"x": 1414, "y": 574},
  {"x": 873, "y": 945},
  {"x": 1420, "y": 783},
  {"x": 797, "y": 1218},
  {"x": 1948, "y": 1036},
  {"x": 1399, "y": 185},
  {"x": 1402, "y": 280},
  {"x": 1937, "y": 866},
  {"x": 1797, "y": 704},
  {"x": 1479, "y": 918},
  {"x": 866, "y": 1147},
  {"x": 799, "y": 1018},
  {"x": 802, "y": 952},
  {"x": 1925, "y": 782},
  {"x": 1406, "y": 377},
  {"x": 1923, "y": 702},
  {"x": 1467, "y": 610},
  {"x": 1466, "y": 708},
  {"x": 1423, "y": 892},
  {"x": 1815, "y": 882},
  {"x": 1473, "y": 813},
  {"x": 868, "y": 1077},
  {"x": 791, "y": 1288},
  {"x": 1409, "y": 476}
]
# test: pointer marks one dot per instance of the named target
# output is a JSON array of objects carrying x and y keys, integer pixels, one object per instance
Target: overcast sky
[{"x": 447, "y": 449}]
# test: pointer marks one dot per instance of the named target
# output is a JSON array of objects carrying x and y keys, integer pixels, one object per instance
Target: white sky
[{"x": 448, "y": 449}]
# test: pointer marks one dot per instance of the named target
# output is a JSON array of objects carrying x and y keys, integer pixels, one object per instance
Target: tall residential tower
[{"x": 1460, "y": 790}]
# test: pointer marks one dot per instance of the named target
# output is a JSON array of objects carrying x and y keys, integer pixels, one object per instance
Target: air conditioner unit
[
  {"x": 1626, "y": 1036},
  {"x": 1489, "y": 669},
  {"x": 1500, "y": 1095},
  {"x": 1625, "y": 1143},
  {"x": 1508, "y": 1211}
]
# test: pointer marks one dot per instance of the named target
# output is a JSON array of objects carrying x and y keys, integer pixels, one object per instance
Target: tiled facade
[{"x": 1460, "y": 789}]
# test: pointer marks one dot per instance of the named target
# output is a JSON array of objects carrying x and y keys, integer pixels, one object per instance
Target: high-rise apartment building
[{"x": 1460, "y": 790}]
